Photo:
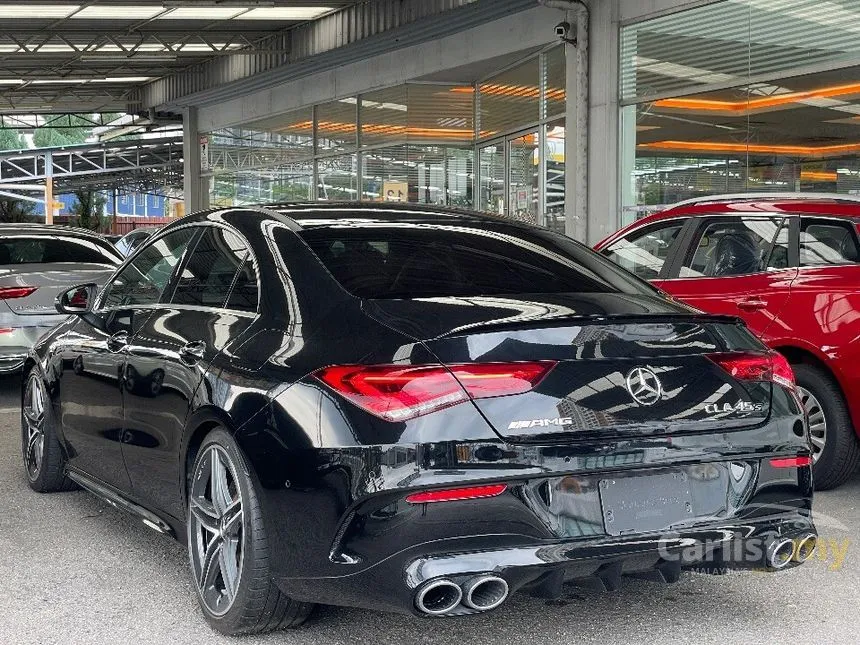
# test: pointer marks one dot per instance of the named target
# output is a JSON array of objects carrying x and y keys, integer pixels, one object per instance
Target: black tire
[
  {"x": 840, "y": 456},
  {"x": 44, "y": 462},
  {"x": 257, "y": 605}
]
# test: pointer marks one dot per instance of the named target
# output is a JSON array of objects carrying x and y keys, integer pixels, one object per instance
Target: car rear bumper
[
  {"x": 387, "y": 552},
  {"x": 542, "y": 569},
  {"x": 16, "y": 342}
]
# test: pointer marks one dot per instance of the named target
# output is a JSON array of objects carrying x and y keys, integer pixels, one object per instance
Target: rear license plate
[{"x": 645, "y": 503}]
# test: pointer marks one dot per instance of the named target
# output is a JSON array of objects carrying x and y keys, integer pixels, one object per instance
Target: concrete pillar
[
  {"x": 604, "y": 213},
  {"x": 195, "y": 187}
]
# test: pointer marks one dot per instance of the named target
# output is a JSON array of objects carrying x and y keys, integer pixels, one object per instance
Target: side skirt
[{"x": 116, "y": 500}]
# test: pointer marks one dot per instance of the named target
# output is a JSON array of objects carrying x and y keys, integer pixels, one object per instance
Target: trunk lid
[
  {"x": 626, "y": 365},
  {"x": 49, "y": 281}
]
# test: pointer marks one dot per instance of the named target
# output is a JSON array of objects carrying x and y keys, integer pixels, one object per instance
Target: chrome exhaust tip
[
  {"x": 805, "y": 547},
  {"x": 779, "y": 553},
  {"x": 484, "y": 593},
  {"x": 438, "y": 597}
]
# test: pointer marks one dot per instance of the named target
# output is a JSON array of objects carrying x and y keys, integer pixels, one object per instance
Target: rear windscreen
[
  {"x": 424, "y": 261},
  {"x": 48, "y": 250}
]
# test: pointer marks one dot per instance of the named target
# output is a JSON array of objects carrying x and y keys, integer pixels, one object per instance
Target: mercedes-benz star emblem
[{"x": 644, "y": 386}]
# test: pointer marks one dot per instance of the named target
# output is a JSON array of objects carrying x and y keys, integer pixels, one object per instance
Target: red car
[{"x": 788, "y": 265}]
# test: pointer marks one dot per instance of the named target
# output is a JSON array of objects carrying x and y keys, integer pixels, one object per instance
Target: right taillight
[
  {"x": 10, "y": 293},
  {"x": 756, "y": 366},
  {"x": 401, "y": 392}
]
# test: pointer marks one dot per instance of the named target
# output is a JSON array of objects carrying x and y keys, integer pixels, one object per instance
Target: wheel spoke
[
  {"x": 221, "y": 497},
  {"x": 232, "y": 518},
  {"x": 209, "y": 565},
  {"x": 205, "y": 513},
  {"x": 229, "y": 563}
]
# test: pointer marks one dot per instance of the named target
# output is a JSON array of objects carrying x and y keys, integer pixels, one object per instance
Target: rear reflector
[
  {"x": 9, "y": 293},
  {"x": 791, "y": 462},
  {"x": 456, "y": 494},
  {"x": 759, "y": 366},
  {"x": 400, "y": 392}
]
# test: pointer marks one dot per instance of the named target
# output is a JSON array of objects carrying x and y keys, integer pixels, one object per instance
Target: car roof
[
  {"x": 47, "y": 229},
  {"x": 321, "y": 214}
]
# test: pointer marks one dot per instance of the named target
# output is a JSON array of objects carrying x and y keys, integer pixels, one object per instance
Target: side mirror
[{"x": 77, "y": 300}]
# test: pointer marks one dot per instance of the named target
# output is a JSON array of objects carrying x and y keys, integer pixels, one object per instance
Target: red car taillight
[
  {"x": 9, "y": 293},
  {"x": 764, "y": 366},
  {"x": 400, "y": 392}
]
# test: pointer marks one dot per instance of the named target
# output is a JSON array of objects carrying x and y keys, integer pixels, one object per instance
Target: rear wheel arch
[
  {"x": 199, "y": 425},
  {"x": 798, "y": 355}
]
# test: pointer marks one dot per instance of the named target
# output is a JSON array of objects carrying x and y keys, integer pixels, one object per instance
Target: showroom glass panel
[
  {"x": 143, "y": 281},
  {"x": 386, "y": 174},
  {"x": 337, "y": 178},
  {"x": 461, "y": 174},
  {"x": 554, "y": 155},
  {"x": 442, "y": 114},
  {"x": 509, "y": 100},
  {"x": 492, "y": 160},
  {"x": 554, "y": 82},
  {"x": 523, "y": 182},
  {"x": 384, "y": 116},
  {"x": 336, "y": 125}
]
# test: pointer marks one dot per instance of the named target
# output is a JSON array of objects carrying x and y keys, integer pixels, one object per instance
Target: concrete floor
[{"x": 75, "y": 570}]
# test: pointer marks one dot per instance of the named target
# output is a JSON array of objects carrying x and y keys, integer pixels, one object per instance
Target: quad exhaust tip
[
  {"x": 485, "y": 592},
  {"x": 438, "y": 597},
  {"x": 780, "y": 553},
  {"x": 805, "y": 547}
]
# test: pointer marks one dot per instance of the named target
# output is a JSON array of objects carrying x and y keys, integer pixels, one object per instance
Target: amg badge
[{"x": 540, "y": 423}]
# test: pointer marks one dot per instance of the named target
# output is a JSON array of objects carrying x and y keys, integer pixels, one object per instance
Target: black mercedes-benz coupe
[{"x": 413, "y": 409}]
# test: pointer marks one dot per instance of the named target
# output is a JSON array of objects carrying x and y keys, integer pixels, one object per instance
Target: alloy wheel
[
  {"x": 216, "y": 529},
  {"x": 34, "y": 426},
  {"x": 817, "y": 422}
]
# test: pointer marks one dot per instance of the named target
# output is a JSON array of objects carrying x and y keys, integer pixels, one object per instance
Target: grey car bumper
[{"x": 16, "y": 342}]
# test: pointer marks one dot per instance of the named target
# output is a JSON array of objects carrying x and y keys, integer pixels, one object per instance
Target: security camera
[{"x": 562, "y": 31}]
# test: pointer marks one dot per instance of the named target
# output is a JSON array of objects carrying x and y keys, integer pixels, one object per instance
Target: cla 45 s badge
[{"x": 740, "y": 406}]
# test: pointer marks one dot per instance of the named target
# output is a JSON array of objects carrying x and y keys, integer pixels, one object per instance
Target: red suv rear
[{"x": 789, "y": 265}]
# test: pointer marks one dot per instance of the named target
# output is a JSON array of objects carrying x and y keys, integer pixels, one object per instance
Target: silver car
[{"x": 37, "y": 262}]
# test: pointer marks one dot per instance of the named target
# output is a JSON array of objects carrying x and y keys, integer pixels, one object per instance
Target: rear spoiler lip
[{"x": 612, "y": 319}]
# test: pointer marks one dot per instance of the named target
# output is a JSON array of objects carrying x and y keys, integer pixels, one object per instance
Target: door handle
[
  {"x": 118, "y": 341},
  {"x": 752, "y": 304},
  {"x": 193, "y": 351}
]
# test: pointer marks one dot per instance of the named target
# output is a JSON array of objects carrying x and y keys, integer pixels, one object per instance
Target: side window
[
  {"x": 218, "y": 260},
  {"x": 245, "y": 293},
  {"x": 143, "y": 281},
  {"x": 825, "y": 242},
  {"x": 738, "y": 246},
  {"x": 645, "y": 251}
]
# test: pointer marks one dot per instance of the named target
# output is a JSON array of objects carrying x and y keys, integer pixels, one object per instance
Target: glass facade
[
  {"x": 740, "y": 96},
  {"x": 496, "y": 144}
]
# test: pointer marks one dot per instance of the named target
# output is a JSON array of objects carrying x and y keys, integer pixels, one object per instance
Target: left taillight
[
  {"x": 757, "y": 366},
  {"x": 401, "y": 392},
  {"x": 10, "y": 293}
]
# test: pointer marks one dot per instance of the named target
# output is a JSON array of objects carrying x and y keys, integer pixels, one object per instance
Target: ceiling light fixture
[
  {"x": 128, "y": 57},
  {"x": 27, "y": 10}
]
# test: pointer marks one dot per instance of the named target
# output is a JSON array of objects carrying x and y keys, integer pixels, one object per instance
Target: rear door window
[
  {"x": 729, "y": 247},
  {"x": 415, "y": 261},
  {"x": 46, "y": 249},
  {"x": 218, "y": 273},
  {"x": 824, "y": 242},
  {"x": 645, "y": 251}
]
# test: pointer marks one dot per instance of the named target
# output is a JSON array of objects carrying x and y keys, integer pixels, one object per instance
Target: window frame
[
  {"x": 673, "y": 253},
  {"x": 699, "y": 223},
  {"x": 846, "y": 222}
]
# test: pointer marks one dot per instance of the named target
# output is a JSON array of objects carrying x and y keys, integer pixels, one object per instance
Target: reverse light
[
  {"x": 401, "y": 392},
  {"x": 791, "y": 462},
  {"x": 10, "y": 293},
  {"x": 457, "y": 494},
  {"x": 763, "y": 366}
]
